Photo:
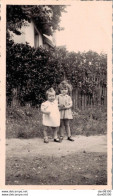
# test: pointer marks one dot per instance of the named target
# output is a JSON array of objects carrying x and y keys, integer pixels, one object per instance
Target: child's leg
[
  {"x": 55, "y": 130},
  {"x": 61, "y": 132},
  {"x": 67, "y": 127},
  {"x": 45, "y": 134}
]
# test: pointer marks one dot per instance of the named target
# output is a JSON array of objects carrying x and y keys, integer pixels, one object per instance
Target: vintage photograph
[{"x": 56, "y": 94}]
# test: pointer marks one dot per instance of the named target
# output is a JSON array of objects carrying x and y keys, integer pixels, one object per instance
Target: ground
[{"x": 32, "y": 162}]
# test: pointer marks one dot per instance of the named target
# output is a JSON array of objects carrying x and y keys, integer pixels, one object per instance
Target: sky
[{"x": 87, "y": 27}]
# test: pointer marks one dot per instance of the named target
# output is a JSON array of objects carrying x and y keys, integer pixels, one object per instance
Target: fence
[{"x": 82, "y": 101}]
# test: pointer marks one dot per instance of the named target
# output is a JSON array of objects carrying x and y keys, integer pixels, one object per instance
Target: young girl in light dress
[
  {"x": 65, "y": 105},
  {"x": 51, "y": 115}
]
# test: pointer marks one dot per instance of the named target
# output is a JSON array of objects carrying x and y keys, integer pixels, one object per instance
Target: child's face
[
  {"x": 51, "y": 97},
  {"x": 64, "y": 91}
]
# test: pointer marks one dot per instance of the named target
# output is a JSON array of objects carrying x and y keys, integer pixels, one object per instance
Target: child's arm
[
  {"x": 68, "y": 107},
  {"x": 69, "y": 104},
  {"x": 60, "y": 106},
  {"x": 44, "y": 109}
]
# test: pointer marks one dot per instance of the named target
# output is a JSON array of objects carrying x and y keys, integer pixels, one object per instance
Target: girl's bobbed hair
[
  {"x": 50, "y": 90},
  {"x": 65, "y": 85}
]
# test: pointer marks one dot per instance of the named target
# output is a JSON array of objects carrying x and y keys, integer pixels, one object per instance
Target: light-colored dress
[
  {"x": 66, "y": 101},
  {"x": 52, "y": 119}
]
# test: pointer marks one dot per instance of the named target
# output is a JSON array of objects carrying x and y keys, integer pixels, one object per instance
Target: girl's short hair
[
  {"x": 50, "y": 90},
  {"x": 65, "y": 85}
]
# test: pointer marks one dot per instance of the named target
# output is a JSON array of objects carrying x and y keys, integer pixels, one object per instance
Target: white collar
[{"x": 51, "y": 102}]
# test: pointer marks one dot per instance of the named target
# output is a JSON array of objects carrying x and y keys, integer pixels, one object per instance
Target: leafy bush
[{"x": 32, "y": 71}]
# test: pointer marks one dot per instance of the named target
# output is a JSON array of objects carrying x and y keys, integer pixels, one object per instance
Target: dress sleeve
[{"x": 44, "y": 106}]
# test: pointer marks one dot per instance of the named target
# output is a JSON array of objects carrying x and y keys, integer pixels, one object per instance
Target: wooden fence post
[
  {"x": 82, "y": 101},
  {"x": 15, "y": 101}
]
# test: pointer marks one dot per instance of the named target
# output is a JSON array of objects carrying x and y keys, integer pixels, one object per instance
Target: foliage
[
  {"x": 16, "y": 17},
  {"x": 46, "y": 17},
  {"x": 26, "y": 122},
  {"x": 85, "y": 70},
  {"x": 33, "y": 71}
]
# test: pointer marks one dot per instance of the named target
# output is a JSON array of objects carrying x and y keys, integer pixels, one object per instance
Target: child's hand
[
  {"x": 61, "y": 107},
  {"x": 67, "y": 107},
  {"x": 45, "y": 110}
]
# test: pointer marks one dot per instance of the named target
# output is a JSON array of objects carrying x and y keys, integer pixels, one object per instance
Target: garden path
[{"x": 35, "y": 146}]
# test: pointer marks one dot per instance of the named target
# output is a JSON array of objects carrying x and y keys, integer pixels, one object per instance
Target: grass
[
  {"x": 24, "y": 122},
  {"x": 80, "y": 168}
]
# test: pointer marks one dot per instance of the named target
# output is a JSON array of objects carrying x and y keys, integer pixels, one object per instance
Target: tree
[
  {"x": 33, "y": 71},
  {"x": 46, "y": 17}
]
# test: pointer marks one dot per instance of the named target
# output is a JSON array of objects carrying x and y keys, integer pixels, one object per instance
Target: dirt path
[
  {"x": 32, "y": 162},
  {"x": 35, "y": 146}
]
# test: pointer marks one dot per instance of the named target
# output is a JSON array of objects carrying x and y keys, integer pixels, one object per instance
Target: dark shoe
[
  {"x": 70, "y": 139},
  {"x": 56, "y": 140}
]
